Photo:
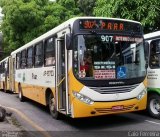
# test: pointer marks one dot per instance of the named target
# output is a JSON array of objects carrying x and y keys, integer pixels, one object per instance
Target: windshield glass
[{"x": 108, "y": 57}]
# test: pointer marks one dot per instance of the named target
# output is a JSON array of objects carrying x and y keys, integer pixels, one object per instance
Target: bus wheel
[
  {"x": 154, "y": 105},
  {"x": 52, "y": 107},
  {"x": 20, "y": 94}
]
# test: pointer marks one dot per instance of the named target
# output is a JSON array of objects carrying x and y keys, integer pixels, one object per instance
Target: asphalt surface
[{"x": 40, "y": 121}]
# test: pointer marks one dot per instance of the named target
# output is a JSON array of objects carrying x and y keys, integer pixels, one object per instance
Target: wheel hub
[{"x": 155, "y": 106}]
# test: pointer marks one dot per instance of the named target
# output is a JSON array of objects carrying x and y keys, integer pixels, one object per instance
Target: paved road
[{"x": 132, "y": 123}]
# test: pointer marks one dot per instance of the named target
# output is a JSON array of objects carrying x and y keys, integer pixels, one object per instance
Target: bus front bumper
[{"x": 81, "y": 109}]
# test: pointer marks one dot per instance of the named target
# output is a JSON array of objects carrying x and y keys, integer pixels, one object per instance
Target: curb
[{"x": 28, "y": 120}]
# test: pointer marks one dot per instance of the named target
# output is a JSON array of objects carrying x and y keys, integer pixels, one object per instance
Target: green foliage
[
  {"x": 145, "y": 11},
  {"x": 71, "y": 7},
  {"x": 86, "y": 6},
  {"x": 25, "y": 20}
]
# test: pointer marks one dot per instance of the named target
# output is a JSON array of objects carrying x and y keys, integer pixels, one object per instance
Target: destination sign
[{"x": 110, "y": 25}]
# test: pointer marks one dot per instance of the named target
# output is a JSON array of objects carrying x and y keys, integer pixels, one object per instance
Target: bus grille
[
  {"x": 113, "y": 90},
  {"x": 109, "y": 110}
]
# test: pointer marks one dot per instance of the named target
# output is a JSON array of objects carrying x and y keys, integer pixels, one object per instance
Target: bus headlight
[
  {"x": 141, "y": 94},
  {"x": 83, "y": 98}
]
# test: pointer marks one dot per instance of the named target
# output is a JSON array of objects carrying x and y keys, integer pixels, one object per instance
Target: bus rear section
[
  {"x": 153, "y": 70},
  {"x": 4, "y": 74}
]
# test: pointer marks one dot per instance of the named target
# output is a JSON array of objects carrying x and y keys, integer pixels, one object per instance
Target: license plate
[{"x": 117, "y": 107}]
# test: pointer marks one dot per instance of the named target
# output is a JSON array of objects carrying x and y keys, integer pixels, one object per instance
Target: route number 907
[{"x": 106, "y": 38}]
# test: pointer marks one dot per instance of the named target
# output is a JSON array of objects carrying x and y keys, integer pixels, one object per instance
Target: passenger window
[
  {"x": 30, "y": 57},
  {"x": 155, "y": 54},
  {"x": 39, "y": 55},
  {"x": 18, "y": 60},
  {"x": 23, "y": 60},
  {"x": 50, "y": 52}
]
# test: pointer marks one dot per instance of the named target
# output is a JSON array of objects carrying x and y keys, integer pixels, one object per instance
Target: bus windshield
[{"x": 108, "y": 57}]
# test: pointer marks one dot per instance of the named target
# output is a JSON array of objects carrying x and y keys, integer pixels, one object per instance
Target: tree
[
  {"x": 21, "y": 22},
  {"x": 25, "y": 20},
  {"x": 86, "y": 6},
  {"x": 71, "y": 7},
  {"x": 145, "y": 11}
]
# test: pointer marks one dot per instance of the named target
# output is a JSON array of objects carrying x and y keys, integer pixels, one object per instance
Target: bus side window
[
  {"x": 154, "y": 54},
  {"x": 30, "y": 57},
  {"x": 50, "y": 52},
  {"x": 18, "y": 60},
  {"x": 23, "y": 60},
  {"x": 154, "y": 60},
  {"x": 39, "y": 54}
]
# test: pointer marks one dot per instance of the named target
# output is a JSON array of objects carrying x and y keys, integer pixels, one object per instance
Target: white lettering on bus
[{"x": 106, "y": 38}]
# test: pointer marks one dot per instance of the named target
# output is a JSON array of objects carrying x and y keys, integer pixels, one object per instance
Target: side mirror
[
  {"x": 69, "y": 41},
  {"x": 146, "y": 52}
]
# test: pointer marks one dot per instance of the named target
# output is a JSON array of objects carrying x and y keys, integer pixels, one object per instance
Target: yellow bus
[{"x": 86, "y": 66}]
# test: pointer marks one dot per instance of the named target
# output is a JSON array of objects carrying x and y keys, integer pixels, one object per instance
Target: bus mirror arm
[
  {"x": 146, "y": 50},
  {"x": 69, "y": 41},
  {"x": 146, "y": 65}
]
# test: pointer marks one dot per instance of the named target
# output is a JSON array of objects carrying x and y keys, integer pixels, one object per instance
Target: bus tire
[
  {"x": 20, "y": 94},
  {"x": 52, "y": 107},
  {"x": 153, "y": 105}
]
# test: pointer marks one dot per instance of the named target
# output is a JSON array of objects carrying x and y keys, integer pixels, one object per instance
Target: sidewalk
[
  {"x": 10, "y": 127},
  {"x": 10, "y": 124}
]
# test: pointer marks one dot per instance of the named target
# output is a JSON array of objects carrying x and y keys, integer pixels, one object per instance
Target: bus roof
[
  {"x": 152, "y": 35},
  {"x": 5, "y": 59},
  {"x": 61, "y": 27}
]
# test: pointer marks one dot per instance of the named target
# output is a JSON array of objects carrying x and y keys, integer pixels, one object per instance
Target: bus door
[
  {"x": 6, "y": 76},
  {"x": 12, "y": 74},
  {"x": 61, "y": 76}
]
